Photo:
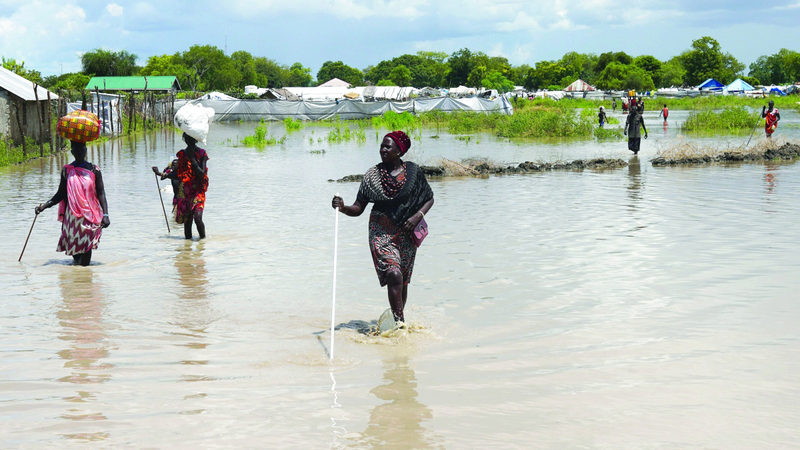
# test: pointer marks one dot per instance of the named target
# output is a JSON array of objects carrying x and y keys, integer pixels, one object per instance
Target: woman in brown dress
[{"x": 401, "y": 197}]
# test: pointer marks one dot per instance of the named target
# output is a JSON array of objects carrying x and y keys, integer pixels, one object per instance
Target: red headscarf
[{"x": 401, "y": 139}]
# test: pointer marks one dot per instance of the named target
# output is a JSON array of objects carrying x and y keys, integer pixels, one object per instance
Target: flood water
[{"x": 639, "y": 308}]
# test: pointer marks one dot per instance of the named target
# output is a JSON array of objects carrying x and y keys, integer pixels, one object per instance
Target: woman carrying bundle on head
[
  {"x": 401, "y": 197},
  {"x": 81, "y": 195},
  {"x": 192, "y": 173},
  {"x": 192, "y": 169}
]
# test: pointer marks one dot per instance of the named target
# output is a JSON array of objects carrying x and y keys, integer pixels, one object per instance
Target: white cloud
[
  {"x": 115, "y": 10},
  {"x": 344, "y": 9}
]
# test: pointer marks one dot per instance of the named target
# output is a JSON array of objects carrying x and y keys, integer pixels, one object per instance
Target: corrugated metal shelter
[
  {"x": 579, "y": 86},
  {"x": 160, "y": 83},
  {"x": 19, "y": 110}
]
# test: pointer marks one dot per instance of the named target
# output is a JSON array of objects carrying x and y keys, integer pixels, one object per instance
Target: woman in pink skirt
[{"x": 82, "y": 210}]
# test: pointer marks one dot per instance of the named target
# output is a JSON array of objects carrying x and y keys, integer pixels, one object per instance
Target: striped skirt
[{"x": 78, "y": 235}]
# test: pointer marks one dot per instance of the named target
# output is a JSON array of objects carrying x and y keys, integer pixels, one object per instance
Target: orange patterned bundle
[{"x": 79, "y": 126}]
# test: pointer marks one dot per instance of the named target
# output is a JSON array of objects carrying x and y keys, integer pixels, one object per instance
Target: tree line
[{"x": 207, "y": 68}]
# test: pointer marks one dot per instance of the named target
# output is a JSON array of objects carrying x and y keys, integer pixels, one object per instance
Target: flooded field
[{"x": 636, "y": 308}]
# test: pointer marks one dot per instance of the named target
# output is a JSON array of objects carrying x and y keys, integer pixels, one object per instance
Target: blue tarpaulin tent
[
  {"x": 776, "y": 91},
  {"x": 739, "y": 86},
  {"x": 711, "y": 85}
]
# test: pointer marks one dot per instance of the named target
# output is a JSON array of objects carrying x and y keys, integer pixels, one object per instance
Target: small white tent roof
[
  {"x": 21, "y": 87},
  {"x": 335, "y": 82}
]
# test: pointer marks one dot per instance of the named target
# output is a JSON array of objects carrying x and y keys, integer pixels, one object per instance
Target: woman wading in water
[
  {"x": 192, "y": 173},
  {"x": 82, "y": 209},
  {"x": 401, "y": 197}
]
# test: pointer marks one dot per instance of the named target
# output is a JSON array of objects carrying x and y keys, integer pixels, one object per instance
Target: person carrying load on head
[
  {"x": 192, "y": 168},
  {"x": 773, "y": 116},
  {"x": 81, "y": 195}
]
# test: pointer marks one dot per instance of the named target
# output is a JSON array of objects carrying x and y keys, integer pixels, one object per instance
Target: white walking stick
[{"x": 335, "y": 252}]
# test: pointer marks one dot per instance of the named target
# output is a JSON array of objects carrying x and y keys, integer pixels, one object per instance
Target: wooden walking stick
[
  {"x": 29, "y": 236},
  {"x": 158, "y": 187},
  {"x": 754, "y": 129}
]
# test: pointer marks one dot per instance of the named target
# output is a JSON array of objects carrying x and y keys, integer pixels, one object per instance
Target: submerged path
[{"x": 483, "y": 168}]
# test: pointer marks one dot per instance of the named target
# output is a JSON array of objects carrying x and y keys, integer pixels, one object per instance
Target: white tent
[{"x": 335, "y": 82}]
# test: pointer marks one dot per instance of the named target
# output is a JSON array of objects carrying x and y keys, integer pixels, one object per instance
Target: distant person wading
[
  {"x": 401, "y": 197},
  {"x": 773, "y": 116}
]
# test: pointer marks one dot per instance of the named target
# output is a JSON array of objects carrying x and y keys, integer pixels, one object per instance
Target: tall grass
[
  {"x": 9, "y": 154},
  {"x": 292, "y": 125},
  {"x": 261, "y": 138},
  {"x": 731, "y": 118}
]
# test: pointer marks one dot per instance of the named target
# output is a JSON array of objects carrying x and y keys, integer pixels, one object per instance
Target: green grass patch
[
  {"x": 261, "y": 137},
  {"x": 731, "y": 118},
  {"x": 9, "y": 154},
  {"x": 292, "y": 125},
  {"x": 608, "y": 134}
]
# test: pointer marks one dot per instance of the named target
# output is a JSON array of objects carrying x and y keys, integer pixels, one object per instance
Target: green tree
[
  {"x": 495, "y": 80},
  {"x": 66, "y": 82},
  {"x": 386, "y": 83},
  {"x": 706, "y": 60},
  {"x": 672, "y": 73},
  {"x": 19, "y": 69},
  {"x": 779, "y": 68},
  {"x": 210, "y": 69},
  {"x": 340, "y": 70},
  {"x": 475, "y": 78},
  {"x": 544, "y": 75},
  {"x": 606, "y": 58},
  {"x": 461, "y": 65},
  {"x": 578, "y": 65},
  {"x": 105, "y": 63},
  {"x": 401, "y": 75},
  {"x": 299, "y": 76},
  {"x": 277, "y": 74},
  {"x": 651, "y": 65},
  {"x": 245, "y": 64},
  {"x": 165, "y": 65},
  {"x": 436, "y": 67},
  {"x": 618, "y": 76}
]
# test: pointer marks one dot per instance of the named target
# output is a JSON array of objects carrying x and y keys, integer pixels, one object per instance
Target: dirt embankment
[
  {"x": 785, "y": 152},
  {"x": 483, "y": 168}
]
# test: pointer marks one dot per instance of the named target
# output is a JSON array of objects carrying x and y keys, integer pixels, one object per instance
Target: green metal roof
[{"x": 164, "y": 83}]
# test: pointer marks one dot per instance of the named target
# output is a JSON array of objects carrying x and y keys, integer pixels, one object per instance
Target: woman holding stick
[
  {"x": 192, "y": 172},
  {"x": 401, "y": 197},
  {"x": 82, "y": 211}
]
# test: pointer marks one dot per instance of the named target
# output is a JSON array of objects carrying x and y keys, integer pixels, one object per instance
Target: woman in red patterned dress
[
  {"x": 82, "y": 210},
  {"x": 192, "y": 173},
  {"x": 401, "y": 197}
]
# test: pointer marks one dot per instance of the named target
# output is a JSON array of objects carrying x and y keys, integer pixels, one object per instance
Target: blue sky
[{"x": 50, "y": 34}]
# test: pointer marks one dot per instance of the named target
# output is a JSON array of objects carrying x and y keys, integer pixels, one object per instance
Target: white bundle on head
[{"x": 193, "y": 120}]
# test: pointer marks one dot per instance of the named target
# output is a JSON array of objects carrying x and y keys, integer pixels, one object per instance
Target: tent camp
[
  {"x": 579, "y": 86},
  {"x": 711, "y": 85},
  {"x": 739, "y": 85}
]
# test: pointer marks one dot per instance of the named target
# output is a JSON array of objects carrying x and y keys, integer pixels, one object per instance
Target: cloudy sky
[{"x": 50, "y": 35}]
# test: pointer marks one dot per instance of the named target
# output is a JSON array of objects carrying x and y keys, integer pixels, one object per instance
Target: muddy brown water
[{"x": 633, "y": 308}]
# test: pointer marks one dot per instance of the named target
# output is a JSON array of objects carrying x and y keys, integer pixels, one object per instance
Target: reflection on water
[
  {"x": 397, "y": 423},
  {"x": 635, "y": 180},
  {"x": 80, "y": 317},
  {"x": 192, "y": 312}
]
